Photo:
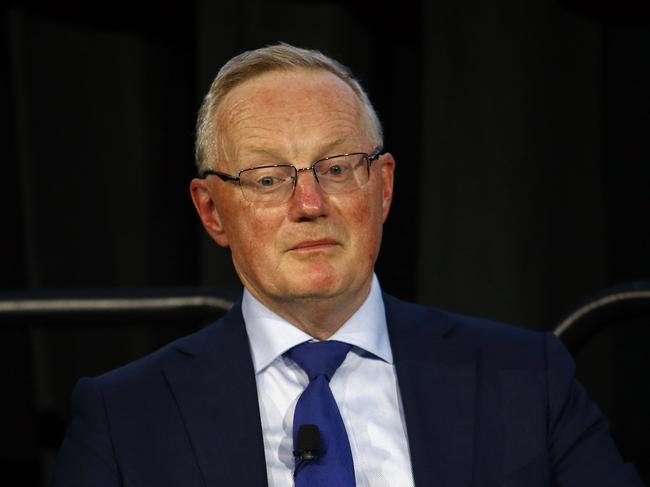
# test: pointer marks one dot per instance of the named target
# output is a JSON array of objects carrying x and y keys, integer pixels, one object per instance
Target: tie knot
[{"x": 319, "y": 358}]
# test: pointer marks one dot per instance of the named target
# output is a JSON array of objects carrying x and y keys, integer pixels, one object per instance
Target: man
[{"x": 295, "y": 183}]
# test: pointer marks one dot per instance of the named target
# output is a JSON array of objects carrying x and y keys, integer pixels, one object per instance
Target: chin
[
  {"x": 315, "y": 284},
  {"x": 319, "y": 286}
]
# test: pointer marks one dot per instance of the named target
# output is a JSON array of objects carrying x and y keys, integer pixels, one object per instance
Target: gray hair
[{"x": 249, "y": 64}]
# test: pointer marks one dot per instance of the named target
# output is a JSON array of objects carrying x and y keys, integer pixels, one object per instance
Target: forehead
[{"x": 289, "y": 111}]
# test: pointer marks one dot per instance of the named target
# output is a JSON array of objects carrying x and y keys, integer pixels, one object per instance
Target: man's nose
[{"x": 308, "y": 200}]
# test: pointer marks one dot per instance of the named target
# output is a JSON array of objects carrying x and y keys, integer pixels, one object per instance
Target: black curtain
[{"x": 520, "y": 131}]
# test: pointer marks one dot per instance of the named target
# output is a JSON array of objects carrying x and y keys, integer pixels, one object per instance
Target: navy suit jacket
[{"x": 485, "y": 405}]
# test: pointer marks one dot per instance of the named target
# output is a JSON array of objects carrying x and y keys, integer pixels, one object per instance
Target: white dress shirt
[{"x": 364, "y": 386}]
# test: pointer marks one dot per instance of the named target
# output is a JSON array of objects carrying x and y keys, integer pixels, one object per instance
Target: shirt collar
[{"x": 270, "y": 335}]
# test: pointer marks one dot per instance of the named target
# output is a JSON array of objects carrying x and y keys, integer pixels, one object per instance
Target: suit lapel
[
  {"x": 437, "y": 381},
  {"x": 214, "y": 386}
]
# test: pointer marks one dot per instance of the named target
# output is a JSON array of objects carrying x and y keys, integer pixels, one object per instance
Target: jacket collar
[
  {"x": 437, "y": 380},
  {"x": 214, "y": 386}
]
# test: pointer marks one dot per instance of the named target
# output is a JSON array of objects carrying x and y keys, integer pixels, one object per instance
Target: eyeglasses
[{"x": 275, "y": 183}]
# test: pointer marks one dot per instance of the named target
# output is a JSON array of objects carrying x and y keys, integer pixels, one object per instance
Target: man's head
[
  {"x": 249, "y": 64},
  {"x": 314, "y": 248}
]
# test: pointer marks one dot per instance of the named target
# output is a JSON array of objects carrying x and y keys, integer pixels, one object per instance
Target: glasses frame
[{"x": 370, "y": 158}]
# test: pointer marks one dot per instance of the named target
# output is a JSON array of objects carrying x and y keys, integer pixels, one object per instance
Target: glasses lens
[
  {"x": 342, "y": 173},
  {"x": 271, "y": 183}
]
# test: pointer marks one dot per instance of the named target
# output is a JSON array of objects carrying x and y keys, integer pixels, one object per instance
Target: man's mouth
[{"x": 319, "y": 244}]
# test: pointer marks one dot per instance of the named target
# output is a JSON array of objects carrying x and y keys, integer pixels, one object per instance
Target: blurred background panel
[{"x": 520, "y": 132}]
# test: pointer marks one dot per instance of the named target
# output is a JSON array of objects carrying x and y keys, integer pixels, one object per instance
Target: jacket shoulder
[
  {"x": 415, "y": 326},
  {"x": 149, "y": 366},
  {"x": 455, "y": 325}
]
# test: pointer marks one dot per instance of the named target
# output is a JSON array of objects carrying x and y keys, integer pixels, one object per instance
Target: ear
[
  {"x": 205, "y": 204},
  {"x": 387, "y": 170}
]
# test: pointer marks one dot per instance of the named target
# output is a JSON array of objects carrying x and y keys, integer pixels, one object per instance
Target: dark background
[{"x": 520, "y": 130}]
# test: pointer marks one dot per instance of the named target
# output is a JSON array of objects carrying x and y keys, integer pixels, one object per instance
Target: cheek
[
  {"x": 251, "y": 238},
  {"x": 363, "y": 218},
  {"x": 366, "y": 222},
  {"x": 251, "y": 252},
  {"x": 251, "y": 233}
]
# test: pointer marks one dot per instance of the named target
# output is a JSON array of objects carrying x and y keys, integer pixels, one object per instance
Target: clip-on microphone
[{"x": 307, "y": 444}]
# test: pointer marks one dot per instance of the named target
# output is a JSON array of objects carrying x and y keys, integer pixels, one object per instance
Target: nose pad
[
  {"x": 308, "y": 199},
  {"x": 307, "y": 170}
]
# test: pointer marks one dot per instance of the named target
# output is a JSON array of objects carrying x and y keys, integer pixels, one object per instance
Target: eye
[
  {"x": 336, "y": 170},
  {"x": 267, "y": 181}
]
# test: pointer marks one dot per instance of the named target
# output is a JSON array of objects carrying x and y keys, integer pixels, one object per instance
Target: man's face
[{"x": 313, "y": 246}]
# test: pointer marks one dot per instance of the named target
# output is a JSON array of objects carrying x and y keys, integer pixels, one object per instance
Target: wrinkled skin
[{"x": 309, "y": 259}]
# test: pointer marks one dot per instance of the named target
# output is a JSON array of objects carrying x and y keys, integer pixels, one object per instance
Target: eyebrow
[
  {"x": 324, "y": 152},
  {"x": 331, "y": 145},
  {"x": 265, "y": 152}
]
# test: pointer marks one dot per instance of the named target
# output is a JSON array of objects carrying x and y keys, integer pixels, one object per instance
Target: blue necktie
[{"x": 333, "y": 466}]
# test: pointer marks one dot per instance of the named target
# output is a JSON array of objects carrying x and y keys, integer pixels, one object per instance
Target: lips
[{"x": 319, "y": 244}]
